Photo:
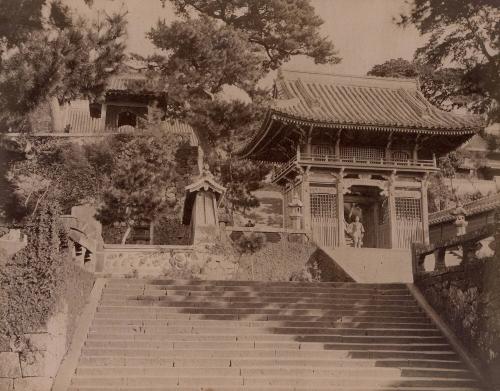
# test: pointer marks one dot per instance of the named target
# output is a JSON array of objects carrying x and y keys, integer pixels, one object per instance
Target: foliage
[
  {"x": 439, "y": 194},
  {"x": 145, "y": 182},
  {"x": 465, "y": 35},
  {"x": 170, "y": 230},
  {"x": 277, "y": 29},
  {"x": 33, "y": 277},
  {"x": 231, "y": 43},
  {"x": 251, "y": 242},
  {"x": 396, "y": 68},
  {"x": 450, "y": 163},
  {"x": 309, "y": 273},
  {"x": 54, "y": 58},
  {"x": 60, "y": 170},
  {"x": 275, "y": 262},
  {"x": 443, "y": 86}
]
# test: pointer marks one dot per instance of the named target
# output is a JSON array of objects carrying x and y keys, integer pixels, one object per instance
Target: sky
[{"x": 362, "y": 30}]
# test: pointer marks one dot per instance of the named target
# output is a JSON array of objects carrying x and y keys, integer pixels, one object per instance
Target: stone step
[
  {"x": 229, "y": 345},
  {"x": 162, "y": 331},
  {"x": 217, "y": 381},
  {"x": 267, "y": 295},
  {"x": 232, "y": 335},
  {"x": 244, "y": 291},
  {"x": 410, "y": 307},
  {"x": 345, "y": 298},
  {"x": 367, "y": 354},
  {"x": 364, "y": 326},
  {"x": 149, "y": 340},
  {"x": 235, "y": 371},
  {"x": 127, "y": 371},
  {"x": 250, "y": 388},
  {"x": 114, "y": 361},
  {"x": 332, "y": 311},
  {"x": 338, "y": 318},
  {"x": 246, "y": 283}
]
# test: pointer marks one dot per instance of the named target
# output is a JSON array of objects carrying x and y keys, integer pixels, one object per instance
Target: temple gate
[{"x": 357, "y": 152}]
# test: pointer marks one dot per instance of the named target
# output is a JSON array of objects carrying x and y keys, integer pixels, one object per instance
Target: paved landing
[{"x": 374, "y": 265}]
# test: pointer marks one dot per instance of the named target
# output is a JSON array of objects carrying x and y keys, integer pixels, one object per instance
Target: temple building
[{"x": 350, "y": 150}]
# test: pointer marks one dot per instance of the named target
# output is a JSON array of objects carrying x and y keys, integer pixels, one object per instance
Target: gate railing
[{"x": 353, "y": 161}]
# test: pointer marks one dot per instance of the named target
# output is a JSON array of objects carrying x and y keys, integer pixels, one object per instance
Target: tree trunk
[
  {"x": 151, "y": 232},
  {"x": 56, "y": 116},
  {"x": 126, "y": 234}
]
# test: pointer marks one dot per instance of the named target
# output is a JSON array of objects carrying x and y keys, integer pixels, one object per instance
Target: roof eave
[{"x": 276, "y": 114}]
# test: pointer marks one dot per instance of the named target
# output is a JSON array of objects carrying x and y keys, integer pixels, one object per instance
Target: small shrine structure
[
  {"x": 201, "y": 205},
  {"x": 349, "y": 146}
]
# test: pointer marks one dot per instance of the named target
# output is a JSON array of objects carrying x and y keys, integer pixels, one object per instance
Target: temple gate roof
[
  {"x": 359, "y": 103},
  {"x": 363, "y": 100}
]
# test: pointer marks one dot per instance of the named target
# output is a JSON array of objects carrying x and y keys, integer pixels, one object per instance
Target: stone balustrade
[
  {"x": 469, "y": 244},
  {"x": 465, "y": 295}
]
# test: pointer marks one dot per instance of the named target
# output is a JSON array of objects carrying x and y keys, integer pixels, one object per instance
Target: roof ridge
[{"x": 382, "y": 78}]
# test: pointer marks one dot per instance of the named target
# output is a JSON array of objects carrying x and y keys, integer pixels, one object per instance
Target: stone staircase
[{"x": 233, "y": 335}]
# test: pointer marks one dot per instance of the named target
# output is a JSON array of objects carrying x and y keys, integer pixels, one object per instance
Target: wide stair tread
[{"x": 268, "y": 336}]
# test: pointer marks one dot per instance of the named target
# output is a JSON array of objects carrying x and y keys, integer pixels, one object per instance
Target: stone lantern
[
  {"x": 295, "y": 212},
  {"x": 460, "y": 222}
]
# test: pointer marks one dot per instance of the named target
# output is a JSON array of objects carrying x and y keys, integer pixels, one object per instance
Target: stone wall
[
  {"x": 467, "y": 297},
  {"x": 31, "y": 363},
  {"x": 203, "y": 261},
  {"x": 142, "y": 260}
]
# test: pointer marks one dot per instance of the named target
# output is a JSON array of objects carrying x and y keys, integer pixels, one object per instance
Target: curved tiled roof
[
  {"x": 79, "y": 121},
  {"x": 128, "y": 82},
  {"x": 358, "y": 100},
  {"x": 481, "y": 205}
]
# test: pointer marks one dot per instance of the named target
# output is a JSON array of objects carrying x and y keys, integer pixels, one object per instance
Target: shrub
[
  {"x": 275, "y": 262},
  {"x": 35, "y": 279},
  {"x": 251, "y": 242},
  {"x": 32, "y": 276}
]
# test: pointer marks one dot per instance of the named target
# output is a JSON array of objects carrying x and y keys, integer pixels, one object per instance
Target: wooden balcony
[{"x": 335, "y": 161}]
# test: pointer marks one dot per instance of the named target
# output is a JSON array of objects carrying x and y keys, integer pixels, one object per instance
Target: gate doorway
[{"x": 366, "y": 203}]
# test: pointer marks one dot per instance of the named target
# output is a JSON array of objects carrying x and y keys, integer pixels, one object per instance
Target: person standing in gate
[{"x": 357, "y": 232}]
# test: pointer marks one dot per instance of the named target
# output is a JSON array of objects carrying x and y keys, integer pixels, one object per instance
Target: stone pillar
[
  {"x": 340, "y": 209},
  {"x": 460, "y": 222},
  {"x": 295, "y": 212},
  {"x": 424, "y": 205}
]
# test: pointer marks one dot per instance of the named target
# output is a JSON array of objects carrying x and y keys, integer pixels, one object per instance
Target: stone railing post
[{"x": 439, "y": 259}]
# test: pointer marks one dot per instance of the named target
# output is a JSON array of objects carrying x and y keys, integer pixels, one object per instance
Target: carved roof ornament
[
  {"x": 459, "y": 210},
  {"x": 206, "y": 182}
]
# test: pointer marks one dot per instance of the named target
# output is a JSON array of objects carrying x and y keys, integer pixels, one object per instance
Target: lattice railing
[{"x": 366, "y": 157}]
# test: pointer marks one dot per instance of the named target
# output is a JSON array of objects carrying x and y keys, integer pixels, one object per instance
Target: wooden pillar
[
  {"x": 337, "y": 145},
  {"x": 425, "y": 210},
  {"x": 309, "y": 142},
  {"x": 284, "y": 204},
  {"x": 340, "y": 208},
  {"x": 416, "y": 147},
  {"x": 306, "y": 201},
  {"x": 375, "y": 228},
  {"x": 387, "y": 152},
  {"x": 103, "y": 117},
  {"x": 392, "y": 213}
]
